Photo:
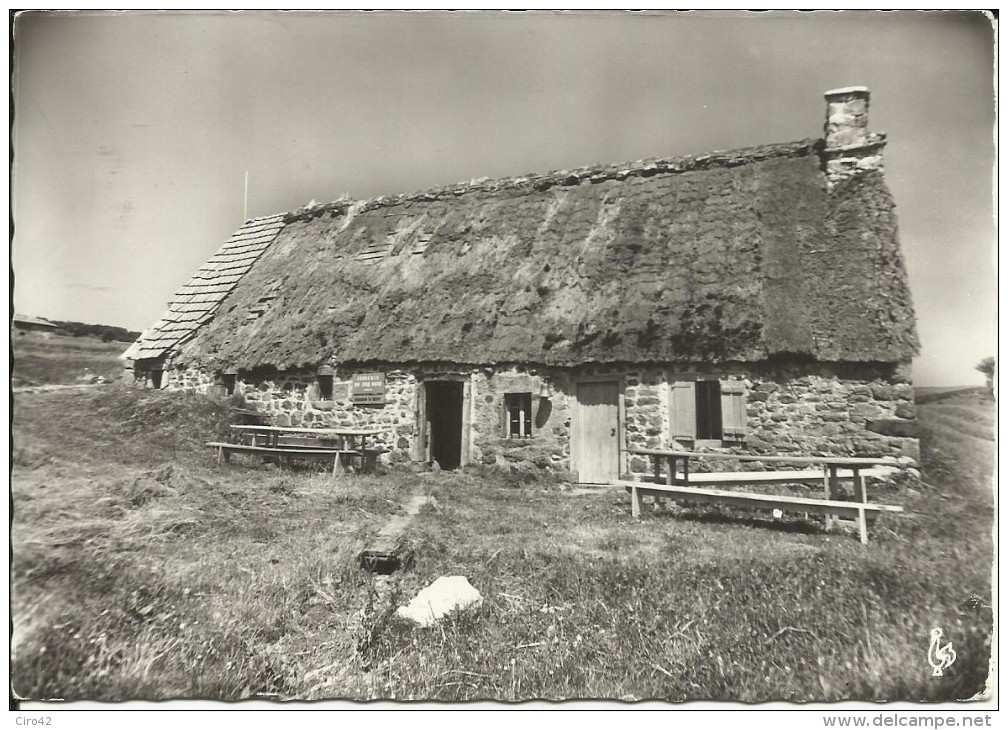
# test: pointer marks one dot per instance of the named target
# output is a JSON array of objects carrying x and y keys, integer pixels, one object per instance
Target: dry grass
[{"x": 143, "y": 571}]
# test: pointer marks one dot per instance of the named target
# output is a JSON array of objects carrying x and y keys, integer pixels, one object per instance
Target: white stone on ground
[{"x": 440, "y": 598}]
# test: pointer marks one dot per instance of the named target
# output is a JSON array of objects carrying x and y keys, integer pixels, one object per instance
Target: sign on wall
[{"x": 368, "y": 389}]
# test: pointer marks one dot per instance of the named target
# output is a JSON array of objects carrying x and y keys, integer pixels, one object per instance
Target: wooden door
[{"x": 598, "y": 432}]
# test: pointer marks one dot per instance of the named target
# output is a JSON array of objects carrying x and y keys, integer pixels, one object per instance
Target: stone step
[{"x": 385, "y": 554}]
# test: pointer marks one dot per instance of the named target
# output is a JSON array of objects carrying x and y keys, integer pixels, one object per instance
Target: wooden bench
[
  {"x": 802, "y": 476},
  {"x": 224, "y": 451},
  {"x": 831, "y": 473}
]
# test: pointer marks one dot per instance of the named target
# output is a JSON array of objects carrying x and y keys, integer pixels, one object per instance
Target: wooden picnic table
[
  {"x": 834, "y": 469},
  {"x": 274, "y": 433},
  {"x": 352, "y": 440},
  {"x": 831, "y": 465}
]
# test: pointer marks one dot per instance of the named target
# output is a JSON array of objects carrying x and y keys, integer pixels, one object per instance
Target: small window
[
  {"x": 519, "y": 415},
  {"x": 708, "y": 409},
  {"x": 325, "y": 387},
  {"x": 704, "y": 408},
  {"x": 229, "y": 380}
]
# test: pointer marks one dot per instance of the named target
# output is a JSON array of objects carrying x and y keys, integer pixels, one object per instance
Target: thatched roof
[{"x": 735, "y": 256}]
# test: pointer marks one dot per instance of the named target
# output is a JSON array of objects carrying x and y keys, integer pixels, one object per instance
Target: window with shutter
[
  {"x": 703, "y": 408},
  {"x": 733, "y": 410},
  {"x": 682, "y": 410}
]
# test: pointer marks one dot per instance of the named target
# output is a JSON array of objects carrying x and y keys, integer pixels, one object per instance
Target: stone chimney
[{"x": 850, "y": 148}]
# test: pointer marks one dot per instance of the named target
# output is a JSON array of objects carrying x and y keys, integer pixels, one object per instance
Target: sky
[{"x": 133, "y": 131}]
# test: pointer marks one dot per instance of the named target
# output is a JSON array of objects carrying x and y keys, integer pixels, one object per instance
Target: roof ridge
[
  {"x": 261, "y": 219},
  {"x": 573, "y": 176}
]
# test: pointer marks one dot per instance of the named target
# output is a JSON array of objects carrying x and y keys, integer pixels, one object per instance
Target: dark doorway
[
  {"x": 708, "y": 409},
  {"x": 444, "y": 418}
]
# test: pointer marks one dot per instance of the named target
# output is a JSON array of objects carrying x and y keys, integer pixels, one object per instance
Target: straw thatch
[{"x": 737, "y": 256}]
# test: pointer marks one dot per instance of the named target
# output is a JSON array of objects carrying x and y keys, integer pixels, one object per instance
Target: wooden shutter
[
  {"x": 733, "y": 410},
  {"x": 682, "y": 409}
]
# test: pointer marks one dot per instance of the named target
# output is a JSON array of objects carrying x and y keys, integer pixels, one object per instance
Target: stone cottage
[{"x": 751, "y": 300}]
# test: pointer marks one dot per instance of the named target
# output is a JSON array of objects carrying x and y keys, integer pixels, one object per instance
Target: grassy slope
[
  {"x": 583, "y": 602},
  {"x": 59, "y": 359},
  {"x": 143, "y": 571},
  {"x": 928, "y": 394}
]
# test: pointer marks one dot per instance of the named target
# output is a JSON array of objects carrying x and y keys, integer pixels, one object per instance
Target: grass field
[
  {"x": 59, "y": 359},
  {"x": 141, "y": 570}
]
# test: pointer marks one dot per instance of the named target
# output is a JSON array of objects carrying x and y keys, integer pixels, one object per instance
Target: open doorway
[
  {"x": 443, "y": 405},
  {"x": 155, "y": 378}
]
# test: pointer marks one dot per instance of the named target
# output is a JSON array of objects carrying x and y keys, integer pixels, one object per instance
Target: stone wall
[
  {"x": 795, "y": 408},
  {"x": 646, "y": 406},
  {"x": 549, "y": 446},
  {"x": 818, "y": 414},
  {"x": 292, "y": 399},
  {"x": 188, "y": 379},
  {"x": 791, "y": 408}
]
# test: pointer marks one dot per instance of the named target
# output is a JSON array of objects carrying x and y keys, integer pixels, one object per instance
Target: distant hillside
[
  {"x": 103, "y": 332},
  {"x": 927, "y": 394},
  {"x": 42, "y": 358}
]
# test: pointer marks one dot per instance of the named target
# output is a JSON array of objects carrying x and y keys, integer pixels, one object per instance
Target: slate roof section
[{"x": 197, "y": 300}]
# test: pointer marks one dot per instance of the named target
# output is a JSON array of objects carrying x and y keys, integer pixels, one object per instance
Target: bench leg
[
  {"x": 831, "y": 487},
  {"x": 635, "y": 503},
  {"x": 862, "y": 525},
  {"x": 220, "y": 456}
]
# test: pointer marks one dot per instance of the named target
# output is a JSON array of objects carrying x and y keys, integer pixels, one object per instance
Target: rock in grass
[{"x": 440, "y": 598}]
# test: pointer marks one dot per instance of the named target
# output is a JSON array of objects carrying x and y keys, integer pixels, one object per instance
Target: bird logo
[{"x": 939, "y": 657}]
